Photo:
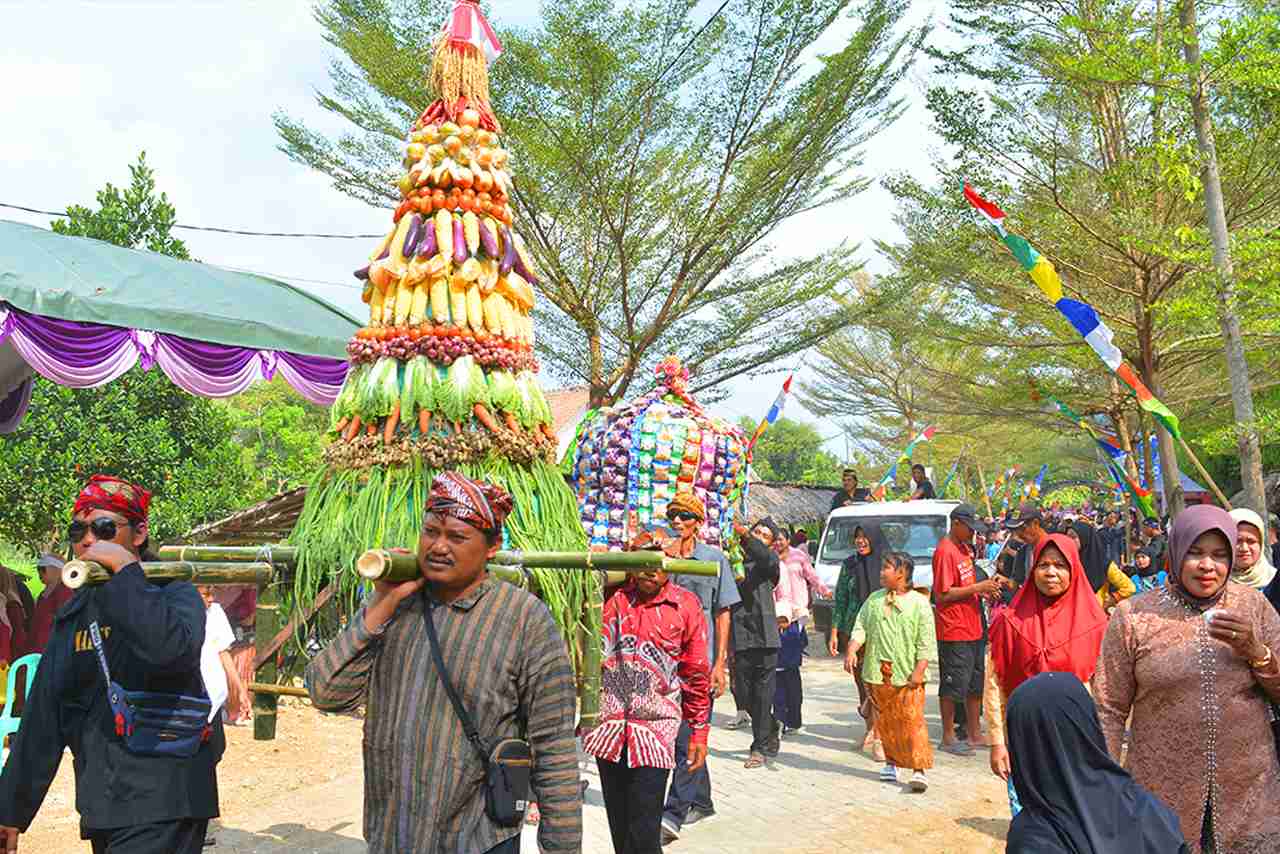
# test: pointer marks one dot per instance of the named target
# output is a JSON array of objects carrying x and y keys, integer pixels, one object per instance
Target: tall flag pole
[
  {"x": 942, "y": 491},
  {"x": 1082, "y": 316},
  {"x": 774, "y": 413}
]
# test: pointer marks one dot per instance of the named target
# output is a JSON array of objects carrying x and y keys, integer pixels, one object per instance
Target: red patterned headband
[{"x": 104, "y": 492}]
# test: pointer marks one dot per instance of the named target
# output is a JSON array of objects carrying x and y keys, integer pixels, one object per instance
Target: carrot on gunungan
[
  {"x": 341, "y": 426},
  {"x": 352, "y": 429},
  {"x": 393, "y": 421},
  {"x": 512, "y": 424},
  {"x": 371, "y": 429},
  {"x": 424, "y": 421},
  {"x": 483, "y": 416}
]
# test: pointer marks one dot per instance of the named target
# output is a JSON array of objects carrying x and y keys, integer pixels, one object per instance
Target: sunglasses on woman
[
  {"x": 681, "y": 516},
  {"x": 103, "y": 529}
]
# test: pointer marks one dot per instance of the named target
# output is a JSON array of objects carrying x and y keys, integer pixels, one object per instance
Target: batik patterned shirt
[{"x": 653, "y": 675}]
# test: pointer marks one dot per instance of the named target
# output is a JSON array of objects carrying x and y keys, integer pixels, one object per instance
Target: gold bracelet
[{"x": 1259, "y": 663}]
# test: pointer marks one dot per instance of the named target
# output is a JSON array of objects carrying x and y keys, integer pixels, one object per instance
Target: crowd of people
[{"x": 1127, "y": 680}]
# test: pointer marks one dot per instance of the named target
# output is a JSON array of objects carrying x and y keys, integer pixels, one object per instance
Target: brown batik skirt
[{"x": 900, "y": 722}]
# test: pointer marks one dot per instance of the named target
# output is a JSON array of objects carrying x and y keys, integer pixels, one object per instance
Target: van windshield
[{"x": 915, "y": 535}]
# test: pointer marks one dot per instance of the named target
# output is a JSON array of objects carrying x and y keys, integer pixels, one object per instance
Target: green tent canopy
[{"x": 81, "y": 312}]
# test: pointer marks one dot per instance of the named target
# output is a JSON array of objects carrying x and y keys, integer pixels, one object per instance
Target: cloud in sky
[{"x": 89, "y": 85}]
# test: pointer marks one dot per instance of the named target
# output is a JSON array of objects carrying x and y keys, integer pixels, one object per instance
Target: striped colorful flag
[
  {"x": 774, "y": 413},
  {"x": 942, "y": 491},
  {"x": 924, "y": 436},
  {"x": 1082, "y": 316},
  {"x": 1033, "y": 488},
  {"x": 889, "y": 477},
  {"x": 1107, "y": 444},
  {"x": 1141, "y": 497}
]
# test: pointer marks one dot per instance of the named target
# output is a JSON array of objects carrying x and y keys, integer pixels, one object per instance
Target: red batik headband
[
  {"x": 104, "y": 492},
  {"x": 480, "y": 505}
]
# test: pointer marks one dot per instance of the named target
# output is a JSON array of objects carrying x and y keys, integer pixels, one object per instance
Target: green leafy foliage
[
  {"x": 791, "y": 452},
  {"x": 140, "y": 427},
  {"x": 134, "y": 217},
  {"x": 281, "y": 435}
]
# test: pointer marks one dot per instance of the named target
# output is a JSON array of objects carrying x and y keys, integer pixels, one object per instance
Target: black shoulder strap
[{"x": 468, "y": 726}]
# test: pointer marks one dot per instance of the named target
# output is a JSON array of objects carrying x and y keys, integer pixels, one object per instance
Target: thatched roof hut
[{"x": 789, "y": 503}]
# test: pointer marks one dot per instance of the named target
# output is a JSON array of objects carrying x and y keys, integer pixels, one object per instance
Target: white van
[{"x": 914, "y": 527}]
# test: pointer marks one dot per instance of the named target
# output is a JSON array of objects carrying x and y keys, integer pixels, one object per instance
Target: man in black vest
[{"x": 151, "y": 635}]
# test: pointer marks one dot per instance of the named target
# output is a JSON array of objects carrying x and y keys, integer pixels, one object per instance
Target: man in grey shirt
[{"x": 689, "y": 797}]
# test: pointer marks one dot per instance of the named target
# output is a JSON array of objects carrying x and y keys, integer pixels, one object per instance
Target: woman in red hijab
[{"x": 1054, "y": 624}]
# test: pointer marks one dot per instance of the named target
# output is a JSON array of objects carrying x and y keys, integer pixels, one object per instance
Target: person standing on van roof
[
  {"x": 923, "y": 488},
  {"x": 849, "y": 491},
  {"x": 961, "y": 635}
]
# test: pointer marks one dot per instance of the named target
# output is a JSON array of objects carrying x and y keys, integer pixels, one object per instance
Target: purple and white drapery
[{"x": 84, "y": 355}]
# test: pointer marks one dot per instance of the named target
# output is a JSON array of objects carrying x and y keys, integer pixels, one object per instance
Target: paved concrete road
[{"x": 817, "y": 797}]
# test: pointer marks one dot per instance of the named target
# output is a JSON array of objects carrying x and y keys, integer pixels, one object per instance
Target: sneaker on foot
[
  {"x": 792, "y": 730},
  {"x": 957, "y": 748},
  {"x": 918, "y": 782},
  {"x": 889, "y": 773},
  {"x": 670, "y": 833},
  {"x": 743, "y": 719},
  {"x": 697, "y": 814}
]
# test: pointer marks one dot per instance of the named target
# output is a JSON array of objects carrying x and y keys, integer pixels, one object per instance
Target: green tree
[
  {"x": 654, "y": 160},
  {"x": 283, "y": 436},
  {"x": 140, "y": 427},
  {"x": 135, "y": 217},
  {"x": 791, "y": 452},
  {"x": 1067, "y": 118}
]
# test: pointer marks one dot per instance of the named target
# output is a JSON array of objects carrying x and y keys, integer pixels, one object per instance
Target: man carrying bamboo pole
[
  {"x": 689, "y": 798},
  {"x": 132, "y": 799},
  {"x": 424, "y": 789}
]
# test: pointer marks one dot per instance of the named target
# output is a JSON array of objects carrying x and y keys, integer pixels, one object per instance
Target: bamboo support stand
[
  {"x": 266, "y": 622},
  {"x": 383, "y": 565},
  {"x": 78, "y": 573},
  {"x": 278, "y": 690}
]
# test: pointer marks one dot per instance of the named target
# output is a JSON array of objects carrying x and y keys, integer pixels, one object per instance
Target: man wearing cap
[
  {"x": 54, "y": 595},
  {"x": 849, "y": 491},
  {"x": 958, "y": 613},
  {"x": 423, "y": 787},
  {"x": 1027, "y": 527},
  {"x": 151, "y": 636},
  {"x": 1154, "y": 539},
  {"x": 755, "y": 636},
  {"x": 689, "y": 797}
]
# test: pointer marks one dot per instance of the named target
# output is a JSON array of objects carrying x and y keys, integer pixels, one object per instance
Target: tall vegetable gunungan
[{"x": 444, "y": 375}]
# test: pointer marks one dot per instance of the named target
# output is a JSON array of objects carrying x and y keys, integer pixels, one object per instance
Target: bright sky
[{"x": 90, "y": 84}]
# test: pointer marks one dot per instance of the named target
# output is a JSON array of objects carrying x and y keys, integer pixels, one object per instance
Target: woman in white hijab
[{"x": 1251, "y": 565}]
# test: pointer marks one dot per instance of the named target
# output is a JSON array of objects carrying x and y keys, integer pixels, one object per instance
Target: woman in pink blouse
[{"x": 1194, "y": 662}]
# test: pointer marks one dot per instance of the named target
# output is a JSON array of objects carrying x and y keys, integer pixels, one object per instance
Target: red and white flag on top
[
  {"x": 989, "y": 210},
  {"x": 468, "y": 25}
]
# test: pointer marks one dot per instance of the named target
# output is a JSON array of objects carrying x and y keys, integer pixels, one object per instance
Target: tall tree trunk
[
  {"x": 1216, "y": 219},
  {"x": 599, "y": 390}
]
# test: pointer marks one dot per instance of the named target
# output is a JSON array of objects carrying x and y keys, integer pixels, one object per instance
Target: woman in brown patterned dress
[{"x": 1193, "y": 661}]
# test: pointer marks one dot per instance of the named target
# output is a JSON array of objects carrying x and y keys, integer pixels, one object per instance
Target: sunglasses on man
[
  {"x": 103, "y": 529},
  {"x": 681, "y": 516}
]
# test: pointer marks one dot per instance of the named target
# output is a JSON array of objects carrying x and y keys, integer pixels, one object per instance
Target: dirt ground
[{"x": 310, "y": 749}]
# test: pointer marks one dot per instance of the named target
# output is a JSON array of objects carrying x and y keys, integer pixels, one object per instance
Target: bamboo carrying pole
[
  {"x": 1204, "y": 474},
  {"x": 383, "y": 565},
  {"x": 282, "y": 555},
  {"x": 78, "y": 573},
  {"x": 277, "y": 690}
]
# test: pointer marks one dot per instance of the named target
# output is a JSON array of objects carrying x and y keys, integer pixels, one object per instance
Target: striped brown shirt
[{"x": 423, "y": 782}]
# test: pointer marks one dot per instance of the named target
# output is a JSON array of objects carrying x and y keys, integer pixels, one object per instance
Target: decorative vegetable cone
[
  {"x": 634, "y": 458},
  {"x": 444, "y": 376}
]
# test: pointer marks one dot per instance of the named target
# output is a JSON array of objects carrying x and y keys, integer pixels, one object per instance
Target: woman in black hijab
[
  {"x": 1105, "y": 578},
  {"x": 859, "y": 578},
  {"x": 1075, "y": 798}
]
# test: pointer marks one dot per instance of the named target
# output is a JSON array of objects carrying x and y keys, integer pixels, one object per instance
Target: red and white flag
[{"x": 468, "y": 25}]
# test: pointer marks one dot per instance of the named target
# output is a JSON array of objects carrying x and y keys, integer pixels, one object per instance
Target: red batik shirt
[{"x": 654, "y": 674}]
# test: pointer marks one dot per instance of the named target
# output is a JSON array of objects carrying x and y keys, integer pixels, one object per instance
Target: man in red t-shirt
[{"x": 958, "y": 610}]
